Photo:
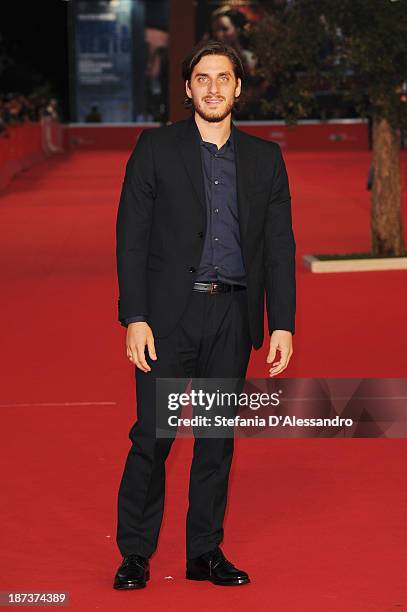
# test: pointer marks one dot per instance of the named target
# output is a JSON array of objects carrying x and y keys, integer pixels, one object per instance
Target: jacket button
[
  {"x": 192, "y": 269},
  {"x": 200, "y": 234}
]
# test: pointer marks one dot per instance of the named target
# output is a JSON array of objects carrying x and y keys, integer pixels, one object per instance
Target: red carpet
[{"x": 319, "y": 524}]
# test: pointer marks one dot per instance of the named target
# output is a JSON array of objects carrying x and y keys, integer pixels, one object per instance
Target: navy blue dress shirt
[
  {"x": 221, "y": 258},
  {"x": 222, "y": 255}
]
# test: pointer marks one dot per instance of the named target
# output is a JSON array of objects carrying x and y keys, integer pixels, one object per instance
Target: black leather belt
[{"x": 217, "y": 287}]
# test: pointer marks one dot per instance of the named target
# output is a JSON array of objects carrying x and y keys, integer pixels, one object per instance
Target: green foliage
[{"x": 354, "y": 47}]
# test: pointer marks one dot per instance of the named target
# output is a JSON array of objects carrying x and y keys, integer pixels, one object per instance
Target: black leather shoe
[
  {"x": 133, "y": 573},
  {"x": 215, "y": 567}
]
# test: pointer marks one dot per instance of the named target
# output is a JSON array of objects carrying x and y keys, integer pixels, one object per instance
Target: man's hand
[
  {"x": 281, "y": 340},
  {"x": 138, "y": 336}
]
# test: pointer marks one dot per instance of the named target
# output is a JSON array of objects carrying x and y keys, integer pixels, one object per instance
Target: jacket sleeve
[
  {"x": 133, "y": 227},
  {"x": 136, "y": 319},
  {"x": 279, "y": 252}
]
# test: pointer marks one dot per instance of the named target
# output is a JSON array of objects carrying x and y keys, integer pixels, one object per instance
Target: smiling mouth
[{"x": 213, "y": 102}]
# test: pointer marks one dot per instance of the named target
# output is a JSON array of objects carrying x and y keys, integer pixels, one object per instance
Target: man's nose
[{"x": 213, "y": 87}]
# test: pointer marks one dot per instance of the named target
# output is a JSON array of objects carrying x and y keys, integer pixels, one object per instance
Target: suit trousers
[{"x": 211, "y": 340}]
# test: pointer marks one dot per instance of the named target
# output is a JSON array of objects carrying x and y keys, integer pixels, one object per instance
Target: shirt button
[
  {"x": 192, "y": 269},
  {"x": 216, "y": 239},
  {"x": 216, "y": 210},
  {"x": 216, "y": 268},
  {"x": 216, "y": 182}
]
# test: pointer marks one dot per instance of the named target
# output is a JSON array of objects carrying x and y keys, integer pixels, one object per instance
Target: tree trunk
[{"x": 386, "y": 223}]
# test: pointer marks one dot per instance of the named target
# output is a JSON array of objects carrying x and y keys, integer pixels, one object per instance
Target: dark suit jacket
[{"x": 161, "y": 223}]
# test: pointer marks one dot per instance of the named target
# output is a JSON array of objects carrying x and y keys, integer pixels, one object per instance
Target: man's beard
[{"x": 214, "y": 118}]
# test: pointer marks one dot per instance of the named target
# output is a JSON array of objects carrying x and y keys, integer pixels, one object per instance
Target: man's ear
[
  {"x": 238, "y": 88},
  {"x": 188, "y": 90}
]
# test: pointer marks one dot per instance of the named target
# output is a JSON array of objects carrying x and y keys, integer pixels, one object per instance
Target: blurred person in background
[
  {"x": 93, "y": 116},
  {"x": 16, "y": 108}
]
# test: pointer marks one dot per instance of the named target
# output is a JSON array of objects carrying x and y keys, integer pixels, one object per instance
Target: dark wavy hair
[{"x": 210, "y": 47}]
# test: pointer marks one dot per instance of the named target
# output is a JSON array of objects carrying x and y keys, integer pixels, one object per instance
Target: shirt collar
[{"x": 230, "y": 140}]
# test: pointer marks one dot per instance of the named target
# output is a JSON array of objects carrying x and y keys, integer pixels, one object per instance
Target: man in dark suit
[{"x": 204, "y": 232}]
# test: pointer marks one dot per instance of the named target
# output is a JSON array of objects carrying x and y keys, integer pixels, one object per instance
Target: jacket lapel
[
  {"x": 191, "y": 155},
  {"x": 246, "y": 166}
]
